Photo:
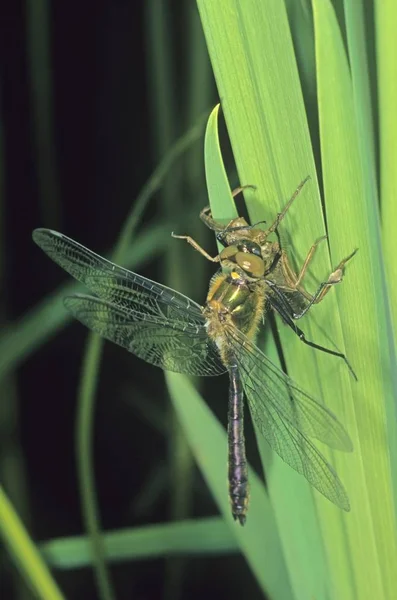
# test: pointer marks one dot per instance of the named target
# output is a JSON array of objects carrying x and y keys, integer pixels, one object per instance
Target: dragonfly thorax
[{"x": 233, "y": 301}]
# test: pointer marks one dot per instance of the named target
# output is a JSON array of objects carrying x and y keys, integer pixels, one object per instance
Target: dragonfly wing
[
  {"x": 290, "y": 401},
  {"x": 276, "y": 407},
  {"x": 159, "y": 341},
  {"x": 130, "y": 294},
  {"x": 110, "y": 281},
  {"x": 151, "y": 320},
  {"x": 297, "y": 450}
]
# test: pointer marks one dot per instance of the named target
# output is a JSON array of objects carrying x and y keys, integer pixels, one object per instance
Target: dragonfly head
[{"x": 246, "y": 255}]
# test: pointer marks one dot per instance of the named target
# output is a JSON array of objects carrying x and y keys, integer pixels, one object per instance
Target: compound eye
[
  {"x": 228, "y": 253},
  {"x": 250, "y": 248},
  {"x": 251, "y": 264}
]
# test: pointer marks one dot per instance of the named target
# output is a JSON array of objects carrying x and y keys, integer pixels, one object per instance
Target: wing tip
[
  {"x": 41, "y": 234},
  {"x": 349, "y": 447},
  {"x": 342, "y": 500},
  {"x": 342, "y": 442}
]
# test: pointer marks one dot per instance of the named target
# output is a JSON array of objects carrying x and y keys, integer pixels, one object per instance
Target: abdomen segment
[{"x": 238, "y": 469}]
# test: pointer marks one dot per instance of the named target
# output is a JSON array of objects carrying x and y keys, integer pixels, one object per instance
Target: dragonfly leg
[
  {"x": 337, "y": 353},
  {"x": 335, "y": 277},
  {"x": 280, "y": 304},
  {"x": 206, "y": 215},
  {"x": 197, "y": 247},
  {"x": 241, "y": 188},
  {"x": 308, "y": 259},
  {"x": 281, "y": 215},
  {"x": 293, "y": 282}
]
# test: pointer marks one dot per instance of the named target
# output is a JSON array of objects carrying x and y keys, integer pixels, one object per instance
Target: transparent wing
[
  {"x": 113, "y": 283},
  {"x": 167, "y": 344},
  {"x": 156, "y": 323},
  {"x": 286, "y": 415}
]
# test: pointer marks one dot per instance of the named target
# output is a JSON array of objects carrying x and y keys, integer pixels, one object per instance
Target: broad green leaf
[
  {"x": 254, "y": 64},
  {"x": 217, "y": 181},
  {"x": 352, "y": 218},
  {"x": 386, "y": 23},
  {"x": 252, "y": 55}
]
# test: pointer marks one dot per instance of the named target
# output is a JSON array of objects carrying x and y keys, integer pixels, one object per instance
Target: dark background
[{"x": 110, "y": 118}]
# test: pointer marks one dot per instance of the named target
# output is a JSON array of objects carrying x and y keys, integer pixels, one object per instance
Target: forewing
[
  {"x": 153, "y": 321},
  {"x": 113, "y": 283},
  {"x": 285, "y": 415},
  {"x": 159, "y": 341}
]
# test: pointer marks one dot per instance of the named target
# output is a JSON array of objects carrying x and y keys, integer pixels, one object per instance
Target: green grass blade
[
  {"x": 199, "y": 537},
  {"x": 242, "y": 77},
  {"x": 252, "y": 56},
  {"x": 250, "y": 45},
  {"x": 38, "y": 34},
  {"x": 350, "y": 217},
  {"x": 84, "y": 459},
  {"x": 363, "y": 109},
  {"x": 386, "y": 23},
  {"x": 25, "y": 554},
  {"x": 222, "y": 203},
  {"x": 360, "y": 73}
]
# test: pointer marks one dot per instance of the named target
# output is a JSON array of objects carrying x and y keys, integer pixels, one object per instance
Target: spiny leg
[
  {"x": 280, "y": 304},
  {"x": 206, "y": 216},
  {"x": 294, "y": 282},
  {"x": 281, "y": 215},
  {"x": 213, "y": 225},
  {"x": 209, "y": 221},
  {"x": 308, "y": 260},
  {"x": 323, "y": 289},
  {"x": 197, "y": 247},
  {"x": 241, "y": 188}
]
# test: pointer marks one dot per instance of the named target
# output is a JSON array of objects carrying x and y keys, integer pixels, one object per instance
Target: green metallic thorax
[{"x": 232, "y": 298}]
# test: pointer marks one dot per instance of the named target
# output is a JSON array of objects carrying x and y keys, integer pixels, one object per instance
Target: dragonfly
[
  {"x": 169, "y": 330},
  {"x": 285, "y": 293}
]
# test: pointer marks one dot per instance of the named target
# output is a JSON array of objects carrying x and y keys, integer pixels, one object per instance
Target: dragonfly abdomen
[{"x": 238, "y": 468}]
